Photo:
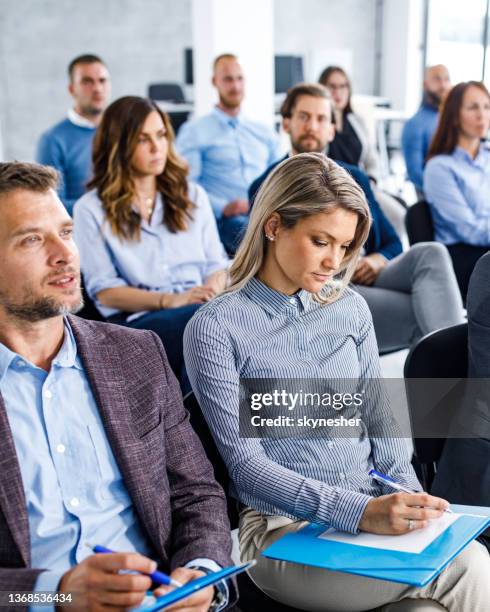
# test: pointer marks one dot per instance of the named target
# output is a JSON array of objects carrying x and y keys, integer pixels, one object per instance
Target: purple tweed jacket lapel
[
  {"x": 12, "y": 497},
  {"x": 112, "y": 390},
  {"x": 109, "y": 383}
]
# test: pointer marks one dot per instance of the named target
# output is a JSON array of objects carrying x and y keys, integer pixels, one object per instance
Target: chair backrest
[
  {"x": 201, "y": 428},
  {"x": 439, "y": 355},
  {"x": 172, "y": 92},
  {"x": 89, "y": 310},
  {"x": 419, "y": 224}
]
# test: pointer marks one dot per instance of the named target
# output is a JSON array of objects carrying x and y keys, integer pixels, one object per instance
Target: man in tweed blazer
[{"x": 114, "y": 458}]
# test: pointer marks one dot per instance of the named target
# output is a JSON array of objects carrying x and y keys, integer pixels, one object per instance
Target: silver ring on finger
[{"x": 411, "y": 524}]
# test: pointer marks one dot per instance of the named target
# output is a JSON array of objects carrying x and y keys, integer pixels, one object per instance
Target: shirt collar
[
  {"x": 480, "y": 159},
  {"x": 66, "y": 357},
  {"x": 77, "y": 119},
  {"x": 275, "y": 302},
  {"x": 225, "y": 118}
]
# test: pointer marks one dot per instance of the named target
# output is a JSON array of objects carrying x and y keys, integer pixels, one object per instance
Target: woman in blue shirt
[
  {"x": 285, "y": 317},
  {"x": 457, "y": 178},
  {"x": 149, "y": 246}
]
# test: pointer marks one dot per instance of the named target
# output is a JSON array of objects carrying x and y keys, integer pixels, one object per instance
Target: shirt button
[
  {"x": 60, "y": 448},
  {"x": 48, "y": 394},
  {"x": 293, "y": 301},
  {"x": 342, "y": 476},
  {"x": 330, "y": 444},
  {"x": 75, "y": 502},
  {"x": 21, "y": 363}
]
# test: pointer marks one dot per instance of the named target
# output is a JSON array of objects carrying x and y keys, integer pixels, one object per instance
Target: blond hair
[{"x": 301, "y": 186}]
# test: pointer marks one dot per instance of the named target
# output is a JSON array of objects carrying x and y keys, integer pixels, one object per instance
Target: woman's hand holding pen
[{"x": 400, "y": 513}]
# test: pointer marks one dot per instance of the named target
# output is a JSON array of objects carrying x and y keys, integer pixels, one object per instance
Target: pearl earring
[{"x": 270, "y": 237}]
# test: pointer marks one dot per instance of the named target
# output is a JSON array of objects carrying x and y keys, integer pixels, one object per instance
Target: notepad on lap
[
  {"x": 398, "y": 561},
  {"x": 413, "y": 542}
]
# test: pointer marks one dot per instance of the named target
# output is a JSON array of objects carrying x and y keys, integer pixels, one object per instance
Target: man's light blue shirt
[
  {"x": 416, "y": 137},
  {"x": 74, "y": 489},
  {"x": 457, "y": 188},
  {"x": 226, "y": 154},
  {"x": 161, "y": 260}
]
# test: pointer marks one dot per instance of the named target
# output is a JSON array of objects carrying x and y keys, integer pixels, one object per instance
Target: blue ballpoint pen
[
  {"x": 386, "y": 480},
  {"x": 158, "y": 577}
]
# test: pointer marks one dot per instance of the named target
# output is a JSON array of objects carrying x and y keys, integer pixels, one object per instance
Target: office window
[{"x": 457, "y": 36}]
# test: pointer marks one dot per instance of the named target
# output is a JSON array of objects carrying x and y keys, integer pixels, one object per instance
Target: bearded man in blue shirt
[
  {"x": 226, "y": 151},
  {"x": 96, "y": 444},
  {"x": 419, "y": 129}
]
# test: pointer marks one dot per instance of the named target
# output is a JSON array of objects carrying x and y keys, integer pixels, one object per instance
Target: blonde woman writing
[{"x": 284, "y": 317}]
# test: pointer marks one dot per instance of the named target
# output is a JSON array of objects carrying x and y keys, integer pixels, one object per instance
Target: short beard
[
  {"x": 91, "y": 111},
  {"x": 230, "y": 105},
  {"x": 298, "y": 147},
  {"x": 33, "y": 310},
  {"x": 432, "y": 99}
]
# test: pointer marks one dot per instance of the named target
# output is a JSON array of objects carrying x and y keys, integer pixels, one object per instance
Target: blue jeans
[
  {"x": 231, "y": 230},
  {"x": 169, "y": 325}
]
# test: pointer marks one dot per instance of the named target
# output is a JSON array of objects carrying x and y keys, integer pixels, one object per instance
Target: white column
[
  {"x": 242, "y": 27},
  {"x": 402, "y": 63}
]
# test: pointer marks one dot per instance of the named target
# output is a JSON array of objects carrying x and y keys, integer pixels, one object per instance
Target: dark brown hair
[
  {"x": 114, "y": 145},
  {"x": 302, "y": 89},
  {"x": 87, "y": 58},
  {"x": 327, "y": 73},
  {"x": 445, "y": 139},
  {"x": 23, "y": 175}
]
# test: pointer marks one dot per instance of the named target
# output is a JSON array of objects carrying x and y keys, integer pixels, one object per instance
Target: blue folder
[
  {"x": 415, "y": 569},
  {"x": 192, "y": 587}
]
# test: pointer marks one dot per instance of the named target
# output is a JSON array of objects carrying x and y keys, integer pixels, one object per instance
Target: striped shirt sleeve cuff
[{"x": 348, "y": 511}]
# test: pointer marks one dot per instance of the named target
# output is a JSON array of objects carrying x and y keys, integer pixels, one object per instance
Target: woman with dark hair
[
  {"x": 457, "y": 177},
  {"x": 150, "y": 251},
  {"x": 352, "y": 143}
]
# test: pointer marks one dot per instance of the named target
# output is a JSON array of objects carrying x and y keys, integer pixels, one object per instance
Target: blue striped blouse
[{"x": 257, "y": 332}]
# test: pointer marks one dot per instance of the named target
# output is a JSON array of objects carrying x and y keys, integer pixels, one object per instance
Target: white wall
[
  {"x": 142, "y": 41},
  {"x": 329, "y": 32},
  {"x": 402, "y": 63},
  {"x": 215, "y": 31}
]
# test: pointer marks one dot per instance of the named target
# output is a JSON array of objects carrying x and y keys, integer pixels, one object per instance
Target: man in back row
[
  {"x": 68, "y": 145},
  {"x": 418, "y": 131},
  {"x": 96, "y": 444},
  {"x": 409, "y": 294},
  {"x": 226, "y": 152}
]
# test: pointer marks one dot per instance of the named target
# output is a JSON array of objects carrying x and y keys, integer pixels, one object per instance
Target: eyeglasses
[{"x": 339, "y": 86}]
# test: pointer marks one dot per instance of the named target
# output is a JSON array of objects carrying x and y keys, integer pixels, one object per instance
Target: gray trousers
[
  {"x": 415, "y": 294},
  {"x": 463, "y": 586}
]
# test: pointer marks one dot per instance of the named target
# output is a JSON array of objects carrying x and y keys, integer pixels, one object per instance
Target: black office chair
[
  {"x": 89, "y": 310},
  {"x": 443, "y": 354},
  {"x": 170, "y": 92},
  {"x": 419, "y": 224}
]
